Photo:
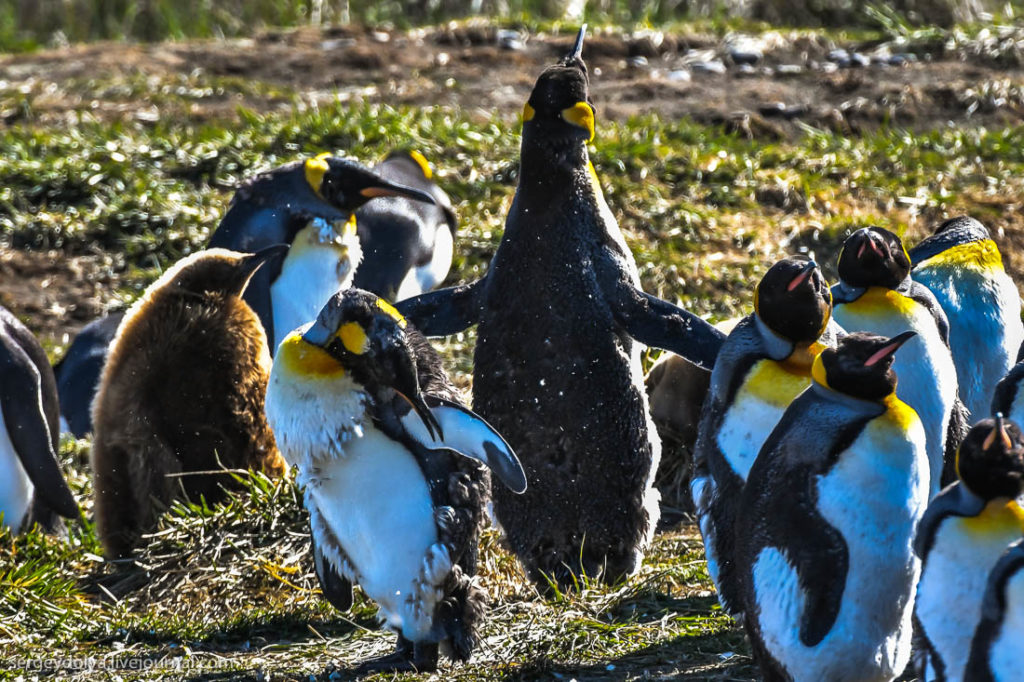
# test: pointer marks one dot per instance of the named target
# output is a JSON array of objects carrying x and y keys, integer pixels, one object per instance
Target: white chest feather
[
  {"x": 425, "y": 277},
  {"x": 874, "y": 497},
  {"x": 956, "y": 573},
  {"x": 1006, "y": 658},
  {"x": 15, "y": 486}
]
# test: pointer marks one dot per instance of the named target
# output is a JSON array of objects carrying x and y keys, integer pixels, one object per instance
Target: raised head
[
  {"x": 873, "y": 257},
  {"x": 860, "y": 365},
  {"x": 990, "y": 461},
  {"x": 794, "y": 300}
]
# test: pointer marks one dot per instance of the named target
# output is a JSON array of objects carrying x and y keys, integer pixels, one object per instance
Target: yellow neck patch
[
  {"x": 422, "y": 162},
  {"x": 901, "y": 414},
  {"x": 392, "y": 312},
  {"x": 303, "y": 358},
  {"x": 581, "y": 114},
  {"x": 801, "y": 360},
  {"x": 777, "y": 383},
  {"x": 818, "y": 371},
  {"x": 979, "y": 255},
  {"x": 316, "y": 168},
  {"x": 350, "y": 226},
  {"x": 879, "y": 300},
  {"x": 528, "y": 112},
  {"x": 353, "y": 337},
  {"x": 1000, "y": 515}
]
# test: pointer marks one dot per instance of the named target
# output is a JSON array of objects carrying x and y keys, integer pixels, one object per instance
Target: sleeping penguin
[
  {"x": 32, "y": 486},
  {"x": 764, "y": 364},
  {"x": 407, "y": 245},
  {"x": 996, "y": 651},
  {"x": 391, "y": 464},
  {"x": 966, "y": 529},
  {"x": 876, "y": 294},
  {"x": 826, "y": 522},
  {"x": 962, "y": 266},
  {"x": 556, "y": 367},
  {"x": 309, "y": 204}
]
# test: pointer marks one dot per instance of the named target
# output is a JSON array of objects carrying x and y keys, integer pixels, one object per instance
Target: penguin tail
[{"x": 462, "y": 613}]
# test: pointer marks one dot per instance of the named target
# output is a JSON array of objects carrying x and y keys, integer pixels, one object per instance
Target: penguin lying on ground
[
  {"x": 996, "y": 651},
  {"x": 876, "y": 294},
  {"x": 309, "y": 204},
  {"x": 826, "y": 522},
  {"x": 764, "y": 364},
  {"x": 962, "y": 266},
  {"x": 78, "y": 373},
  {"x": 966, "y": 529},
  {"x": 390, "y": 461},
  {"x": 182, "y": 391},
  {"x": 407, "y": 245},
  {"x": 32, "y": 486},
  {"x": 561, "y": 317}
]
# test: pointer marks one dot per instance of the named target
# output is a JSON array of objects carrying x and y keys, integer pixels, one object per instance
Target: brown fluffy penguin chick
[{"x": 182, "y": 391}]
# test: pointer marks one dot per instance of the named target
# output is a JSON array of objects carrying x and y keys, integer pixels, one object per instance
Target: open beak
[
  {"x": 889, "y": 348},
  {"x": 391, "y": 189},
  {"x": 801, "y": 276}
]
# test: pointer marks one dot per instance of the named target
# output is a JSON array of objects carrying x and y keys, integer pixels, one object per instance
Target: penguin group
[{"x": 843, "y": 498}]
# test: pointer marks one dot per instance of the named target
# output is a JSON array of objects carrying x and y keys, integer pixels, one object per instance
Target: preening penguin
[
  {"x": 826, "y": 523},
  {"x": 407, "y": 245},
  {"x": 32, "y": 486},
  {"x": 182, "y": 391},
  {"x": 966, "y": 529},
  {"x": 764, "y": 364},
  {"x": 996, "y": 651},
  {"x": 78, "y": 373},
  {"x": 962, "y": 266},
  {"x": 876, "y": 294},
  {"x": 557, "y": 361},
  {"x": 391, "y": 464},
  {"x": 309, "y": 204}
]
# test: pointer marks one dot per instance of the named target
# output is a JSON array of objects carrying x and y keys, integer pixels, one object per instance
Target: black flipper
[
  {"x": 78, "y": 372},
  {"x": 336, "y": 588},
  {"x": 21, "y": 399},
  {"x": 445, "y": 311},
  {"x": 993, "y": 613}
]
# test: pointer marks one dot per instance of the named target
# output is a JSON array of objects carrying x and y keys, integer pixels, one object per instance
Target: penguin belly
[
  {"x": 924, "y": 369},
  {"x": 983, "y": 307},
  {"x": 873, "y": 496},
  {"x": 309, "y": 277},
  {"x": 375, "y": 501},
  {"x": 423, "y": 278},
  {"x": 962, "y": 555},
  {"x": 1006, "y": 655},
  {"x": 15, "y": 486}
]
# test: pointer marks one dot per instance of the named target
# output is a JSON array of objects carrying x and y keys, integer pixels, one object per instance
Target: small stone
[{"x": 713, "y": 66}]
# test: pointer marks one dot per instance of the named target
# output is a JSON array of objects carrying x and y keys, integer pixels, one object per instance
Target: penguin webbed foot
[{"x": 420, "y": 657}]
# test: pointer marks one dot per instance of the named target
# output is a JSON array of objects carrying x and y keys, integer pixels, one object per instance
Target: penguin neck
[
  {"x": 859, "y": 404},
  {"x": 776, "y": 347},
  {"x": 545, "y": 172}
]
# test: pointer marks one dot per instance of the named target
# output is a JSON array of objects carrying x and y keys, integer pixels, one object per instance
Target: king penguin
[
  {"x": 1008, "y": 398},
  {"x": 557, "y": 366},
  {"x": 966, "y": 529},
  {"x": 390, "y": 461},
  {"x": 996, "y": 651},
  {"x": 876, "y": 294},
  {"x": 78, "y": 373},
  {"x": 181, "y": 393},
  {"x": 962, "y": 266},
  {"x": 826, "y": 521},
  {"x": 310, "y": 205},
  {"x": 407, "y": 245},
  {"x": 764, "y": 364},
  {"x": 32, "y": 486}
]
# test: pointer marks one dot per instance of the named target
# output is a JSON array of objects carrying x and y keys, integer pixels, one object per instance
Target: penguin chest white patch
[
  {"x": 1006, "y": 658},
  {"x": 15, "y": 487},
  {"x": 755, "y": 411},
  {"x": 376, "y": 503}
]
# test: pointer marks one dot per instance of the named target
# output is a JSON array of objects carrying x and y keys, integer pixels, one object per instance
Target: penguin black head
[
  {"x": 559, "y": 115},
  {"x": 220, "y": 270},
  {"x": 367, "y": 337},
  {"x": 348, "y": 185},
  {"x": 794, "y": 300},
  {"x": 873, "y": 257},
  {"x": 860, "y": 365},
  {"x": 964, "y": 228},
  {"x": 990, "y": 461}
]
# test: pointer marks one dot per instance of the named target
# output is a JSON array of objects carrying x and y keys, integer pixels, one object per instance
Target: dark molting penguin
[
  {"x": 557, "y": 363},
  {"x": 962, "y": 266},
  {"x": 876, "y": 294},
  {"x": 407, "y": 245},
  {"x": 182, "y": 391},
  {"x": 996, "y": 651},
  {"x": 388, "y": 456},
  {"x": 826, "y": 522},
  {"x": 764, "y": 364},
  {"x": 78, "y": 373},
  {"x": 309, "y": 204},
  {"x": 966, "y": 529},
  {"x": 32, "y": 486}
]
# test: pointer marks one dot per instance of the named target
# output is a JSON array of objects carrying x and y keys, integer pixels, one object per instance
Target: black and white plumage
[
  {"x": 1009, "y": 399},
  {"x": 392, "y": 465},
  {"x": 78, "y": 372},
  {"x": 964, "y": 532},
  {"x": 826, "y": 521},
  {"x": 32, "y": 486},
  {"x": 996, "y": 651},
  {"x": 764, "y": 364}
]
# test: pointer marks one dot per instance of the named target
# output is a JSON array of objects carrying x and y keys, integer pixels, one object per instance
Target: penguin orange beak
[
  {"x": 801, "y": 276},
  {"x": 391, "y": 189},
  {"x": 889, "y": 348}
]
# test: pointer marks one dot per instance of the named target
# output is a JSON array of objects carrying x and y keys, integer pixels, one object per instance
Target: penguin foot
[{"x": 420, "y": 657}]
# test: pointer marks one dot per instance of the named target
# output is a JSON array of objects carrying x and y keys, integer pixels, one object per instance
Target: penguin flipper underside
[
  {"x": 30, "y": 434},
  {"x": 337, "y": 588},
  {"x": 445, "y": 311}
]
